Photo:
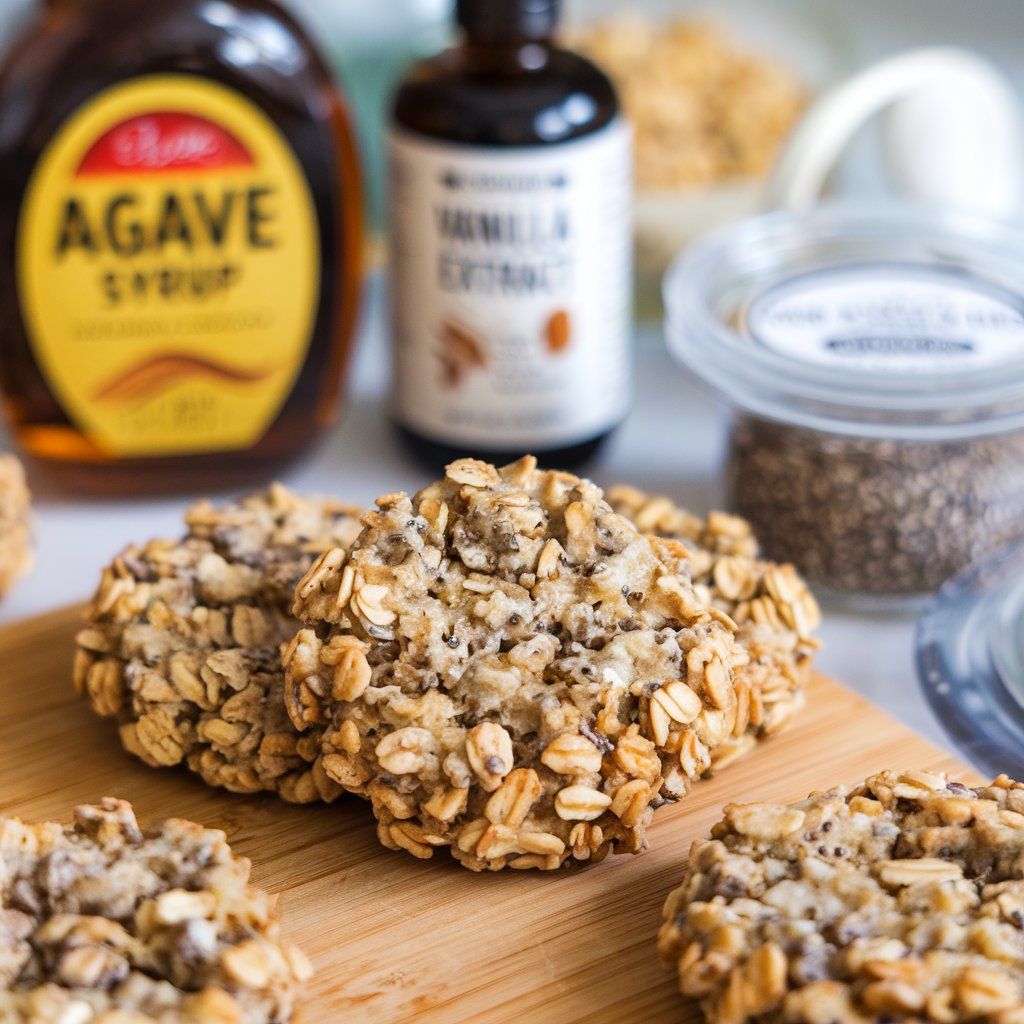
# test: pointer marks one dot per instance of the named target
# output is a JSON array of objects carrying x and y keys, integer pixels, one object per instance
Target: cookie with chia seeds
[
  {"x": 183, "y": 642},
  {"x": 102, "y": 918},
  {"x": 774, "y": 608},
  {"x": 15, "y": 523},
  {"x": 506, "y": 667},
  {"x": 896, "y": 901}
]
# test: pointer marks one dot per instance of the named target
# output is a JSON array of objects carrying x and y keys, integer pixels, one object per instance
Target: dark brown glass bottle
[
  {"x": 180, "y": 198},
  {"x": 510, "y": 245}
]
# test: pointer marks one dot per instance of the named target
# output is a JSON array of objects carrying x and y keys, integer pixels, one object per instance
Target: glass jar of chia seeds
[{"x": 874, "y": 362}]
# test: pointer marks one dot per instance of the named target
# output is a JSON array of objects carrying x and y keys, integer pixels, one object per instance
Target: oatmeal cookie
[
  {"x": 100, "y": 919},
  {"x": 506, "y": 667},
  {"x": 895, "y": 901},
  {"x": 774, "y": 608},
  {"x": 15, "y": 523},
  {"x": 182, "y": 645}
]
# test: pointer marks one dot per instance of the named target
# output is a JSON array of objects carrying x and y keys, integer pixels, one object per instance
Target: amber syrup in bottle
[
  {"x": 180, "y": 212},
  {"x": 511, "y": 272}
]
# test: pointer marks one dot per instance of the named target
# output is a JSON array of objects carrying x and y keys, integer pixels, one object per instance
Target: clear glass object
[
  {"x": 970, "y": 661},
  {"x": 873, "y": 359}
]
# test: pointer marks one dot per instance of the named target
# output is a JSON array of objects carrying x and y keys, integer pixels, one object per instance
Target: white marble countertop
[{"x": 672, "y": 443}]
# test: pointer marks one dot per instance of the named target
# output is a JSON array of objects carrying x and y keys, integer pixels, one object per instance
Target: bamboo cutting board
[{"x": 395, "y": 939}]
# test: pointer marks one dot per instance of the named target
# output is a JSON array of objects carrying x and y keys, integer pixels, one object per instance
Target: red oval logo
[{"x": 161, "y": 142}]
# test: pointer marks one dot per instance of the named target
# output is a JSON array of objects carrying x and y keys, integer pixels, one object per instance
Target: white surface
[{"x": 672, "y": 443}]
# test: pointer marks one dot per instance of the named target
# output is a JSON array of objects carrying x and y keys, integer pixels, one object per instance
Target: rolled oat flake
[{"x": 873, "y": 359}]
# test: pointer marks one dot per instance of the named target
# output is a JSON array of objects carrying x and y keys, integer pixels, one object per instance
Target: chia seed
[
  {"x": 876, "y": 517},
  {"x": 873, "y": 357}
]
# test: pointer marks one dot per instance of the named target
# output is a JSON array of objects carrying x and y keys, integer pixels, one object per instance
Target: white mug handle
[{"x": 953, "y": 133}]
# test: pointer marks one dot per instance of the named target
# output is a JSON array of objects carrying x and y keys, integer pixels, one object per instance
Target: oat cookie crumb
[
  {"x": 506, "y": 668},
  {"x": 898, "y": 900},
  {"x": 182, "y": 643},
  {"x": 101, "y": 920}
]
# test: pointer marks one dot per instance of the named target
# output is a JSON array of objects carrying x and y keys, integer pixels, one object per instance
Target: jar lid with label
[
  {"x": 878, "y": 320},
  {"x": 874, "y": 357},
  {"x": 970, "y": 661}
]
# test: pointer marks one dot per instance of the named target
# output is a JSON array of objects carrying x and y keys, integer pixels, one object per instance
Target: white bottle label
[
  {"x": 511, "y": 277},
  {"x": 890, "y": 318}
]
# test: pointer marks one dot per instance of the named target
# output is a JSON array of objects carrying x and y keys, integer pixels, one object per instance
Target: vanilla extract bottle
[{"x": 511, "y": 275}]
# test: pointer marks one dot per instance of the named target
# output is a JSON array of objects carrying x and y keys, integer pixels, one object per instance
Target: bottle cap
[{"x": 507, "y": 20}]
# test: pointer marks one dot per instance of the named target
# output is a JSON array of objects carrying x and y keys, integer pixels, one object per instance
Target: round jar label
[
  {"x": 169, "y": 268},
  {"x": 904, "y": 318}
]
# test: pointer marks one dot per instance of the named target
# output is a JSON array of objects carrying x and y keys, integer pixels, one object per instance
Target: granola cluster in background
[
  {"x": 704, "y": 108},
  {"x": 15, "y": 523}
]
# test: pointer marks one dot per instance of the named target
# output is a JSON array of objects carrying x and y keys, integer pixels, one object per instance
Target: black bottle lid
[{"x": 497, "y": 21}]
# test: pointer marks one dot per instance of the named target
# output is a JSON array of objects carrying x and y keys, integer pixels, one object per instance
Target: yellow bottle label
[{"x": 169, "y": 268}]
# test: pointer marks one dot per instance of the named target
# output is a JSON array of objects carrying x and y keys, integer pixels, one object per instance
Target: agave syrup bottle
[{"x": 180, "y": 223}]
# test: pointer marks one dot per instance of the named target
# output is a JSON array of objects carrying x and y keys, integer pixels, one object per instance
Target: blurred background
[
  {"x": 712, "y": 109},
  {"x": 821, "y": 40}
]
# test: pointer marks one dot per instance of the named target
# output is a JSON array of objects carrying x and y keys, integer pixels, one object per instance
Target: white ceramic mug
[{"x": 952, "y": 134}]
